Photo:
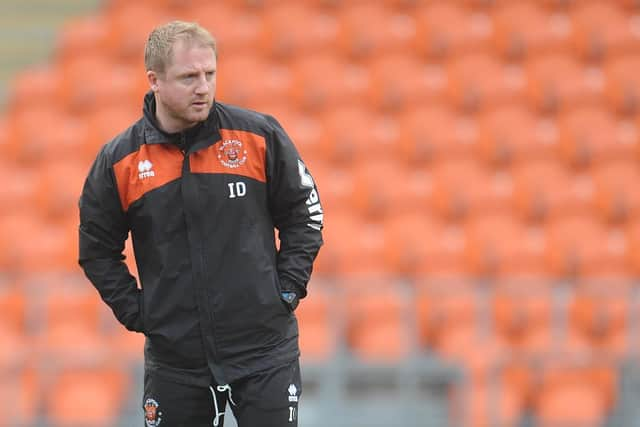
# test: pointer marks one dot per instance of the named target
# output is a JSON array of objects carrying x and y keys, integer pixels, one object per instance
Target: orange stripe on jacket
[
  {"x": 239, "y": 152},
  {"x": 144, "y": 170}
]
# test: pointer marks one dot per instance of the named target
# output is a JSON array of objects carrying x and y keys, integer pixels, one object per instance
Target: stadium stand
[{"x": 478, "y": 163}]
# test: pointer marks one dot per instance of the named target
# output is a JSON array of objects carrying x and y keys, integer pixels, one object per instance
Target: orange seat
[
  {"x": 406, "y": 253},
  {"x": 105, "y": 123},
  {"x": 601, "y": 30},
  {"x": 366, "y": 29},
  {"x": 556, "y": 82},
  {"x": 358, "y": 255},
  {"x": 445, "y": 30},
  {"x": 522, "y": 319},
  {"x": 237, "y": 30},
  {"x": 62, "y": 182},
  {"x": 99, "y": 391},
  {"x": 622, "y": 88},
  {"x": 446, "y": 314},
  {"x": 386, "y": 188},
  {"x": 63, "y": 336},
  {"x": 478, "y": 81},
  {"x": 128, "y": 27},
  {"x": 83, "y": 90},
  {"x": 588, "y": 136},
  {"x": 400, "y": 82},
  {"x": 36, "y": 83},
  {"x": 500, "y": 246},
  {"x": 81, "y": 36},
  {"x": 574, "y": 395},
  {"x": 545, "y": 189},
  {"x": 514, "y": 134},
  {"x": 311, "y": 90},
  {"x": 615, "y": 198},
  {"x": 580, "y": 246},
  {"x": 524, "y": 28},
  {"x": 317, "y": 329},
  {"x": 28, "y": 145},
  {"x": 377, "y": 328},
  {"x": 20, "y": 393},
  {"x": 307, "y": 30},
  {"x": 599, "y": 322},
  {"x": 336, "y": 187},
  {"x": 632, "y": 231},
  {"x": 14, "y": 344},
  {"x": 354, "y": 134},
  {"x": 431, "y": 133},
  {"x": 236, "y": 82},
  {"x": 464, "y": 187}
]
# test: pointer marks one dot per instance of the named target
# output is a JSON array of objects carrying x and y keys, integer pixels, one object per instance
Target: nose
[{"x": 203, "y": 85}]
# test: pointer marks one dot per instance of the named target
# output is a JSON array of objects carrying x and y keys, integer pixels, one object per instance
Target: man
[{"x": 200, "y": 186}]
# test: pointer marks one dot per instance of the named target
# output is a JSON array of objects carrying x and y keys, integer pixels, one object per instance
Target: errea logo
[
  {"x": 145, "y": 167},
  {"x": 293, "y": 390}
]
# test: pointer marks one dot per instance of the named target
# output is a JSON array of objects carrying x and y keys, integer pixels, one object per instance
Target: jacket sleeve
[
  {"x": 103, "y": 232},
  {"x": 296, "y": 209}
]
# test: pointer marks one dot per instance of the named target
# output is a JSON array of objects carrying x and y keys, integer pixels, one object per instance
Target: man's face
[{"x": 186, "y": 90}]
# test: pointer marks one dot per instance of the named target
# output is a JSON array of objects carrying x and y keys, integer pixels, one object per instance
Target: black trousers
[{"x": 265, "y": 399}]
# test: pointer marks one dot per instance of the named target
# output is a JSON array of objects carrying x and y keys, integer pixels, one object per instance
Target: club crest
[
  {"x": 231, "y": 153},
  {"x": 152, "y": 417}
]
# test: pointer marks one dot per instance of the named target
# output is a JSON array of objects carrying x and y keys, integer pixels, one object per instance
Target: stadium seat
[
  {"x": 632, "y": 231},
  {"x": 128, "y": 27},
  {"x": 599, "y": 322},
  {"x": 367, "y": 29},
  {"x": 83, "y": 88},
  {"x": 20, "y": 394},
  {"x": 574, "y": 395},
  {"x": 236, "y": 29},
  {"x": 447, "y": 314},
  {"x": 354, "y": 134},
  {"x": 500, "y": 246},
  {"x": 27, "y": 145},
  {"x": 582, "y": 247},
  {"x": 601, "y": 30},
  {"x": 622, "y": 88},
  {"x": 432, "y": 133},
  {"x": 590, "y": 135},
  {"x": 237, "y": 84},
  {"x": 385, "y": 189},
  {"x": 14, "y": 316},
  {"x": 358, "y": 247},
  {"x": 522, "y": 319},
  {"x": 307, "y": 30},
  {"x": 545, "y": 189},
  {"x": 312, "y": 90},
  {"x": 522, "y": 29},
  {"x": 39, "y": 82},
  {"x": 105, "y": 123},
  {"x": 407, "y": 248},
  {"x": 81, "y": 36},
  {"x": 616, "y": 200},
  {"x": 557, "y": 82},
  {"x": 62, "y": 337},
  {"x": 513, "y": 133},
  {"x": 478, "y": 81},
  {"x": 445, "y": 30},
  {"x": 377, "y": 324},
  {"x": 318, "y": 328},
  {"x": 464, "y": 187},
  {"x": 400, "y": 82},
  {"x": 88, "y": 397}
]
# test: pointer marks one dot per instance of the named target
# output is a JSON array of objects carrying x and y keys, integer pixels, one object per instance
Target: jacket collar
[{"x": 153, "y": 133}]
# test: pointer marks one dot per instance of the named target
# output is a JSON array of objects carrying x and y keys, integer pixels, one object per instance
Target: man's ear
[{"x": 152, "y": 78}]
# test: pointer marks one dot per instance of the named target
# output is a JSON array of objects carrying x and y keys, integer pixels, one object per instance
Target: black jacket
[{"x": 201, "y": 207}]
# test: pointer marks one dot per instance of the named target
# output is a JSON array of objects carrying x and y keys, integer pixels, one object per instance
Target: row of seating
[
  {"x": 591, "y": 29},
  {"x": 375, "y": 319},
  {"x": 319, "y": 82}
]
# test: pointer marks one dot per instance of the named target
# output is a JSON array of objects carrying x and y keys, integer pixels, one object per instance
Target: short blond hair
[{"x": 158, "y": 50}]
